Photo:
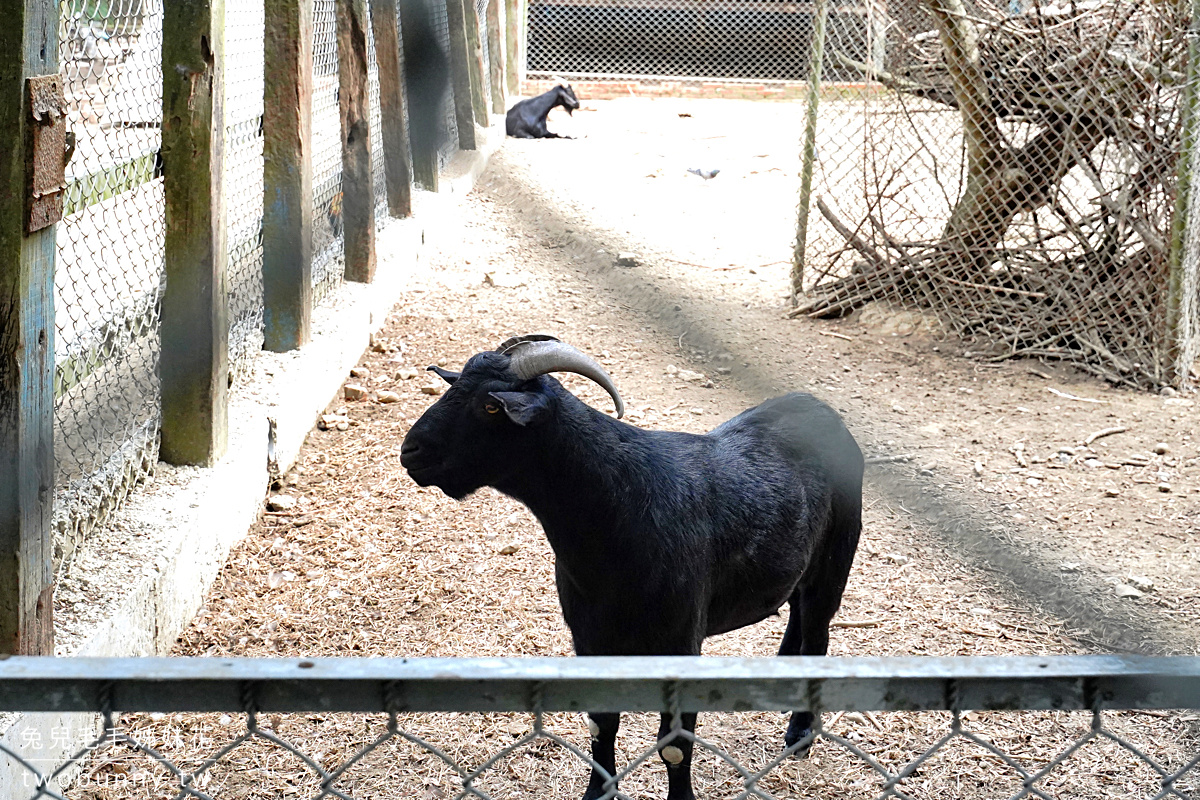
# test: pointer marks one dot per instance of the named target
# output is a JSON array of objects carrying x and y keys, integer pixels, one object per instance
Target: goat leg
[
  {"x": 604, "y": 742},
  {"x": 677, "y": 755}
]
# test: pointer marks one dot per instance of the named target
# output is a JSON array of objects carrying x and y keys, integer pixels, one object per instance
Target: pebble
[
  {"x": 281, "y": 502},
  {"x": 389, "y": 397},
  {"x": 353, "y": 391},
  {"x": 627, "y": 260},
  {"x": 432, "y": 388},
  {"x": 1162, "y": 448},
  {"x": 360, "y": 372},
  {"x": 1112, "y": 492},
  {"x": 1125, "y": 590},
  {"x": 688, "y": 375},
  {"x": 406, "y": 374},
  {"x": 1165, "y": 488},
  {"x": 509, "y": 549},
  {"x": 1141, "y": 583}
]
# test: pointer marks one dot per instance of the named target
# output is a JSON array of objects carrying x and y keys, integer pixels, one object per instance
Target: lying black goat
[
  {"x": 527, "y": 118},
  {"x": 660, "y": 538}
]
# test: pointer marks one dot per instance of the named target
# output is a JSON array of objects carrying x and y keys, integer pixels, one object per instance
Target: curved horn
[{"x": 539, "y": 354}]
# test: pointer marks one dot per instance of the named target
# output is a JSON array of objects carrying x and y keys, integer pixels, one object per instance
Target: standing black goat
[
  {"x": 527, "y": 118},
  {"x": 661, "y": 538}
]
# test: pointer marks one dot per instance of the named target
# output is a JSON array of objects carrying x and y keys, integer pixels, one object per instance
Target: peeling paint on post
[
  {"x": 358, "y": 184},
  {"x": 393, "y": 114},
  {"x": 195, "y": 328},
  {"x": 287, "y": 175},
  {"x": 28, "y": 46}
]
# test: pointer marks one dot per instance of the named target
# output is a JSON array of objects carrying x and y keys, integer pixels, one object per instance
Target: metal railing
[{"x": 406, "y": 689}]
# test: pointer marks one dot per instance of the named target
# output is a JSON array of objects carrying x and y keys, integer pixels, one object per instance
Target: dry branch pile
[{"x": 1057, "y": 236}]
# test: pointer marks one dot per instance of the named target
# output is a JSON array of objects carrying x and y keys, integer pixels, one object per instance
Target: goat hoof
[{"x": 791, "y": 740}]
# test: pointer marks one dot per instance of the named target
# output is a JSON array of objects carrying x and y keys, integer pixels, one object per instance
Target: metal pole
[
  {"x": 810, "y": 148},
  {"x": 1182, "y": 307}
]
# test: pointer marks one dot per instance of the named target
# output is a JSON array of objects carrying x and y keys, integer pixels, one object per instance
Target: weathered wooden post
[
  {"x": 461, "y": 56},
  {"x": 358, "y": 184},
  {"x": 426, "y": 74},
  {"x": 287, "y": 174},
  {"x": 195, "y": 319},
  {"x": 397, "y": 170},
  {"x": 32, "y": 153},
  {"x": 496, "y": 49},
  {"x": 475, "y": 63},
  {"x": 514, "y": 11}
]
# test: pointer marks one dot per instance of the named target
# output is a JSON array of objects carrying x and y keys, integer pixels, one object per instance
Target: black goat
[
  {"x": 527, "y": 118},
  {"x": 661, "y": 538}
]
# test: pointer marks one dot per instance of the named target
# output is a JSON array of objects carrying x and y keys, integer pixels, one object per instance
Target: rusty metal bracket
[{"x": 49, "y": 153}]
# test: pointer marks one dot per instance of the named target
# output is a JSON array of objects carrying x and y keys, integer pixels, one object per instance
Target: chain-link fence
[
  {"x": 731, "y": 40},
  {"x": 1011, "y": 169},
  {"x": 110, "y": 267},
  {"x": 276, "y": 730},
  {"x": 110, "y": 261},
  {"x": 244, "y": 24}
]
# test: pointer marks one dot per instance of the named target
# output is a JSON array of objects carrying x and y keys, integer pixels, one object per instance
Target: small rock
[
  {"x": 1110, "y": 492},
  {"x": 1069, "y": 566},
  {"x": 1168, "y": 391},
  {"x": 344, "y": 425},
  {"x": 1165, "y": 488},
  {"x": 1141, "y": 583},
  {"x": 978, "y": 469},
  {"x": 275, "y": 580},
  {"x": 1161, "y": 449},
  {"x": 509, "y": 549},
  {"x": 281, "y": 502},
  {"x": 723, "y": 370},
  {"x": 389, "y": 397},
  {"x": 672, "y": 369},
  {"x": 896, "y": 407},
  {"x": 360, "y": 372},
  {"x": 406, "y": 374},
  {"x": 1093, "y": 463},
  {"x": 432, "y": 388},
  {"x": 688, "y": 375},
  {"x": 1125, "y": 590},
  {"x": 627, "y": 259},
  {"x": 697, "y": 410},
  {"x": 896, "y": 559},
  {"x": 354, "y": 392}
]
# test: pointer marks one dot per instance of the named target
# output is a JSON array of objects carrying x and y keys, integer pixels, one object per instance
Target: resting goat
[
  {"x": 661, "y": 538},
  {"x": 527, "y": 119}
]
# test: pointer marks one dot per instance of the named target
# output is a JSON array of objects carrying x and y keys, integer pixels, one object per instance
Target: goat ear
[
  {"x": 523, "y": 408},
  {"x": 445, "y": 374}
]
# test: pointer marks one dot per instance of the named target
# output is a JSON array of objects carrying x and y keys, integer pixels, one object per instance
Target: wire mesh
[
  {"x": 752, "y": 40},
  {"x": 378, "y": 178},
  {"x": 485, "y": 55},
  {"x": 1027, "y": 204},
  {"x": 967, "y": 755},
  {"x": 110, "y": 262},
  {"x": 244, "y": 27},
  {"x": 448, "y": 130},
  {"x": 328, "y": 255}
]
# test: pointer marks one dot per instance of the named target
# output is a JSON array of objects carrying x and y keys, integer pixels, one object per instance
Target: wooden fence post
[
  {"x": 396, "y": 168},
  {"x": 287, "y": 174},
  {"x": 514, "y": 12},
  {"x": 28, "y": 46},
  {"x": 195, "y": 317},
  {"x": 461, "y": 56},
  {"x": 358, "y": 182},
  {"x": 475, "y": 64},
  {"x": 496, "y": 51},
  {"x": 426, "y": 75}
]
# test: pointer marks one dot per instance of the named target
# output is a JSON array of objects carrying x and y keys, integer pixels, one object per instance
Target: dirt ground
[{"x": 997, "y": 520}]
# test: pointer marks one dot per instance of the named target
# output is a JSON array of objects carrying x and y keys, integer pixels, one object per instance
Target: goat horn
[{"x": 539, "y": 354}]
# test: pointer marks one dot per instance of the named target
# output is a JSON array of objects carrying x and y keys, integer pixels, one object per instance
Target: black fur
[
  {"x": 527, "y": 118},
  {"x": 661, "y": 538}
]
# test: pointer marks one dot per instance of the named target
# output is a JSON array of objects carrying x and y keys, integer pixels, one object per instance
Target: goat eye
[{"x": 491, "y": 408}]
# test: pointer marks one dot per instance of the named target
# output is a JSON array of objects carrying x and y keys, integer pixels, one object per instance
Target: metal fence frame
[{"x": 670, "y": 685}]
